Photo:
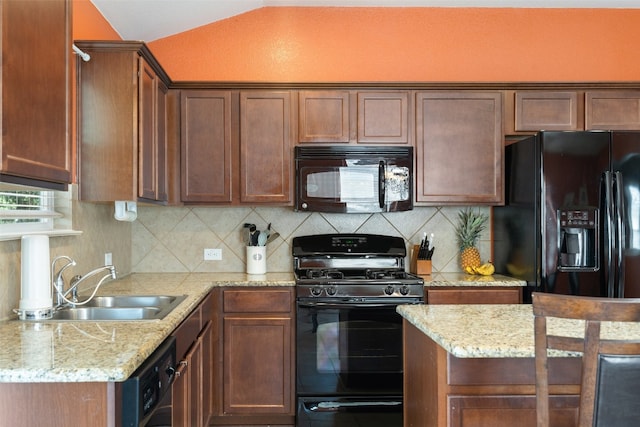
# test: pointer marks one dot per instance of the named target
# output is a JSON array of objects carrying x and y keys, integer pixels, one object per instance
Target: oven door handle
[
  {"x": 349, "y": 304},
  {"x": 382, "y": 183}
]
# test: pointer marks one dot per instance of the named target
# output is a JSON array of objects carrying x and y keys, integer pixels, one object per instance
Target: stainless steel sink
[
  {"x": 133, "y": 301},
  {"x": 122, "y": 308}
]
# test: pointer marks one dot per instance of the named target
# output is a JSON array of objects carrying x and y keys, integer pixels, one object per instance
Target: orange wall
[
  {"x": 89, "y": 24},
  {"x": 408, "y": 44},
  {"x": 397, "y": 44}
]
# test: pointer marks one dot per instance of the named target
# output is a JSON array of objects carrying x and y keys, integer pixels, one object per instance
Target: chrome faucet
[
  {"x": 76, "y": 280},
  {"x": 58, "y": 281}
]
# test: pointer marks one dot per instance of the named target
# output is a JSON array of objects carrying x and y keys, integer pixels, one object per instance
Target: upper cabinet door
[
  {"x": 206, "y": 150},
  {"x": 459, "y": 145},
  {"x": 36, "y": 45},
  {"x": 265, "y": 147},
  {"x": 542, "y": 110},
  {"x": 152, "y": 144},
  {"x": 612, "y": 110},
  {"x": 383, "y": 117},
  {"x": 325, "y": 116}
]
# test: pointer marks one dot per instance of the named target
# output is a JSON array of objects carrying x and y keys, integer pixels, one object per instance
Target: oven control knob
[
  {"x": 332, "y": 290},
  {"x": 404, "y": 290},
  {"x": 389, "y": 290},
  {"x": 316, "y": 291}
]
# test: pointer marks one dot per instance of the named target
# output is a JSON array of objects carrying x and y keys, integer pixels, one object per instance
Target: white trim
[{"x": 51, "y": 233}]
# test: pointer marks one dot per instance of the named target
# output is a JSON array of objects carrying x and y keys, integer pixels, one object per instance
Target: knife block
[{"x": 421, "y": 267}]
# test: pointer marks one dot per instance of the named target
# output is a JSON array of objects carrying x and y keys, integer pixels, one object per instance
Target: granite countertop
[
  {"x": 495, "y": 330},
  {"x": 85, "y": 351},
  {"x": 98, "y": 351},
  {"x": 462, "y": 279}
]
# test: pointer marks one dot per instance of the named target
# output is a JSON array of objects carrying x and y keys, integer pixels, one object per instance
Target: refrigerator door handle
[
  {"x": 609, "y": 233},
  {"x": 620, "y": 215}
]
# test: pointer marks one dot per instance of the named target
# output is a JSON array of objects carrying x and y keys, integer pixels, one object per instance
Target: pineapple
[{"x": 468, "y": 230}]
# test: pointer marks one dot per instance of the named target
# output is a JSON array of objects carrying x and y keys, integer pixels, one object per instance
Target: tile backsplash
[
  {"x": 101, "y": 233},
  {"x": 173, "y": 239}
]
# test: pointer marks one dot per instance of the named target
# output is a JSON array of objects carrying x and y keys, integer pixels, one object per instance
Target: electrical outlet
[
  {"x": 213, "y": 254},
  {"x": 108, "y": 258}
]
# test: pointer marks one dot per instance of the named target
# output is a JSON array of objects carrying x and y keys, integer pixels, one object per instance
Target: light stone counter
[
  {"x": 494, "y": 330},
  {"x": 84, "y": 351},
  {"x": 462, "y": 279}
]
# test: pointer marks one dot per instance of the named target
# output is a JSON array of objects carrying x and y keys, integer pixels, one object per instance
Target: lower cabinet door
[
  {"x": 257, "y": 365},
  {"x": 180, "y": 396}
]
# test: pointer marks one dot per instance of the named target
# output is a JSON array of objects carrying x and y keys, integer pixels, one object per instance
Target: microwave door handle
[{"x": 381, "y": 184}]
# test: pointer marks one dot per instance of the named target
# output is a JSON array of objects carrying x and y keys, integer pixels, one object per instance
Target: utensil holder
[
  {"x": 421, "y": 267},
  {"x": 256, "y": 259}
]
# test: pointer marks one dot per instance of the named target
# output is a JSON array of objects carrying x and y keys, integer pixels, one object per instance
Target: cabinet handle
[{"x": 182, "y": 366}]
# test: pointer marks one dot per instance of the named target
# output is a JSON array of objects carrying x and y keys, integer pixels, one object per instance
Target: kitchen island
[{"x": 473, "y": 365}]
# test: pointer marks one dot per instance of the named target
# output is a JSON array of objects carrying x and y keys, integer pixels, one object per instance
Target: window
[{"x": 25, "y": 210}]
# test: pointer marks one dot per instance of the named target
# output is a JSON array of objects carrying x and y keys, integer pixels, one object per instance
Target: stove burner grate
[
  {"x": 385, "y": 274},
  {"x": 324, "y": 274}
]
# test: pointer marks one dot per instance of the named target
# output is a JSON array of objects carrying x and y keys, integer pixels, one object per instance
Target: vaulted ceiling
[{"x": 149, "y": 20}]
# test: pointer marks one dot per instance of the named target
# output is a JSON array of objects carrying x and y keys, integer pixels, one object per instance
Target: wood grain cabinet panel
[
  {"x": 442, "y": 390},
  {"x": 35, "y": 86},
  {"x": 459, "y": 148},
  {"x": 255, "y": 366},
  {"x": 193, "y": 387},
  {"x": 122, "y": 119},
  {"x": 474, "y": 295},
  {"x": 324, "y": 116},
  {"x": 542, "y": 110},
  {"x": 612, "y": 110},
  {"x": 266, "y": 147},
  {"x": 383, "y": 117},
  {"x": 206, "y": 146},
  {"x": 152, "y": 176}
]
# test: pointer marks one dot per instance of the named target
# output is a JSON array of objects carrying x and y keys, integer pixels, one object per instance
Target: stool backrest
[{"x": 610, "y": 384}]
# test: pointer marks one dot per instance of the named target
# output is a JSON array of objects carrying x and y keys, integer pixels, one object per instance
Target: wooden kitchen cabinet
[
  {"x": 326, "y": 116},
  {"x": 459, "y": 148},
  {"x": 266, "y": 166},
  {"x": 473, "y": 295},
  {"x": 548, "y": 110},
  {"x": 206, "y": 146},
  {"x": 236, "y": 147},
  {"x": 363, "y": 117},
  {"x": 122, "y": 119},
  {"x": 444, "y": 391},
  {"x": 255, "y": 358},
  {"x": 193, "y": 387},
  {"x": 612, "y": 110},
  {"x": 152, "y": 170},
  {"x": 384, "y": 117},
  {"x": 35, "y": 87}
]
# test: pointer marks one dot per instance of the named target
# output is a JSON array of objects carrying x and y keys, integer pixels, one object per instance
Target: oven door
[{"x": 348, "y": 349}]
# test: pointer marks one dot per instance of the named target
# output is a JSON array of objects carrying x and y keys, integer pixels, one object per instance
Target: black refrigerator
[{"x": 571, "y": 219}]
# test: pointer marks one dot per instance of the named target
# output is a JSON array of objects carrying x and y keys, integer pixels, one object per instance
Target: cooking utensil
[
  {"x": 272, "y": 237},
  {"x": 262, "y": 238}
]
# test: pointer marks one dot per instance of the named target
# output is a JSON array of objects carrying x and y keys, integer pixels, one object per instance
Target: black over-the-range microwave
[{"x": 354, "y": 179}]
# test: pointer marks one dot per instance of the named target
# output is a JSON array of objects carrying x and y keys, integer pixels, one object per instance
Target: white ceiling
[{"x": 149, "y": 20}]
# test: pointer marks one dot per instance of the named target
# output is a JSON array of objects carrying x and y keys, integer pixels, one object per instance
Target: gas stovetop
[{"x": 353, "y": 266}]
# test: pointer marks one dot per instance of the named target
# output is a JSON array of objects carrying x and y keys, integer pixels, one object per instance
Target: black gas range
[
  {"x": 354, "y": 267},
  {"x": 348, "y": 333}
]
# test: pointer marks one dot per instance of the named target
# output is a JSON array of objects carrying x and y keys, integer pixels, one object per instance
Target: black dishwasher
[{"x": 146, "y": 395}]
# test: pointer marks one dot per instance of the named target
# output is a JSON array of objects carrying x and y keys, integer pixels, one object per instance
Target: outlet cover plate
[{"x": 212, "y": 254}]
